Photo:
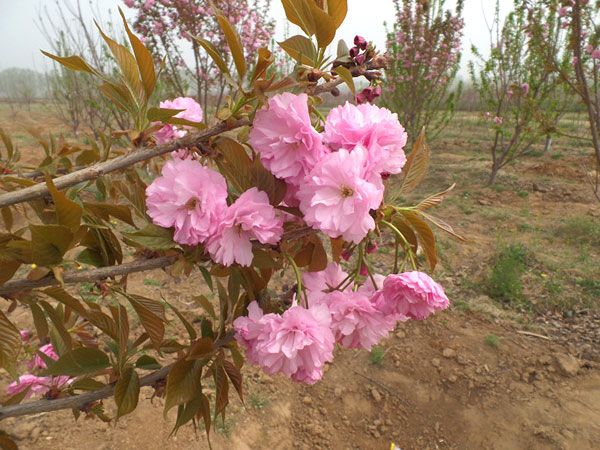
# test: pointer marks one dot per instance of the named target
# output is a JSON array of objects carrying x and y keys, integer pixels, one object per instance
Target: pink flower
[
  {"x": 250, "y": 217},
  {"x": 337, "y": 198},
  {"x": 562, "y": 12},
  {"x": 297, "y": 343},
  {"x": 37, "y": 385},
  {"x": 37, "y": 362},
  {"x": 525, "y": 88},
  {"x": 368, "y": 94},
  {"x": 355, "y": 321},
  {"x": 498, "y": 120},
  {"x": 596, "y": 53},
  {"x": 191, "y": 112},
  {"x": 375, "y": 128},
  {"x": 360, "y": 42},
  {"x": 189, "y": 197},
  {"x": 317, "y": 284},
  {"x": 25, "y": 335},
  {"x": 283, "y": 136},
  {"x": 412, "y": 295},
  {"x": 128, "y": 3}
]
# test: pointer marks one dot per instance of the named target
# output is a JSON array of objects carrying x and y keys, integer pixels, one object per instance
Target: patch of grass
[
  {"x": 523, "y": 194},
  {"x": 89, "y": 292},
  {"x": 376, "y": 356},
  {"x": 224, "y": 427},
  {"x": 525, "y": 227},
  {"x": 152, "y": 282},
  {"x": 556, "y": 156},
  {"x": 461, "y": 305},
  {"x": 590, "y": 287},
  {"x": 504, "y": 283},
  {"x": 580, "y": 230},
  {"x": 257, "y": 401},
  {"x": 491, "y": 340},
  {"x": 498, "y": 187}
]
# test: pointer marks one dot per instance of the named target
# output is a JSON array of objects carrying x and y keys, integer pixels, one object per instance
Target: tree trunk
[{"x": 548, "y": 145}]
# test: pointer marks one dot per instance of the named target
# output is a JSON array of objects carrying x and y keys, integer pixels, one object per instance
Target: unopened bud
[{"x": 335, "y": 92}]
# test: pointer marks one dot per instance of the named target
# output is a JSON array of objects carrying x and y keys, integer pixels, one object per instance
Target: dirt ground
[{"x": 482, "y": 375}]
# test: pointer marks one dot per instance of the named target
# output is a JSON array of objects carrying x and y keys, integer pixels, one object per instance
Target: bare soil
[{"x": 480, "y": 375}]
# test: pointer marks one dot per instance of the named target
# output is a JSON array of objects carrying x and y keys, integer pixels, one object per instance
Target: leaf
[
  {"x": 144, "y": 59},
  {"x": 106, "y": 210},
  {"x": 442, "y": 225},
  {"x": 152, "y": 237},
  {"x": 63, "y": 338},
  {"x": 10, "y": 150},
  {"x": 49, "y": 243},
  {"x": 151, "y": 314},
  {"x": 426, "y": 237},
  {"x": 222, "y": 389},
  {"x": 235, "y": 376},
  {"x": 301, "y": 49},
  {"x": 205, "y": 411},
  {"x": 406, "y": 230},
  {"x": 434, "y": 199},
  {"x": 337, "y": 247},
  {"x": 342, "y": 49},
  {"x": 201, "y": 348},
  {"x": 264, "y": 60},
  {"x": 324, "y": 25},
  {"x": 7, "y": 217},
  {"x": 66, "y": 299},
  {"x": 312, "y": 254},
  {"x": 346, "y": 75},
  {"x": 7, "y": 270},
  {"x": 87, "y": 384},
  {"x": 147, "y": 362},
  {"x": 187, "y": 411},
  {"x": 183, "y": 383},
  {"x": 206, "y": 305},
  {"x": 72, "y": 62},
  {"x": 161, "y": 114},
  {"x": 235, "y": 45},
  {"x": 188, "y": 326},
  {"x": 6, "y": 443},
  {"x": 10, "y": 345},
  {"x": 213, "y": 53},
  {"x": 299, "y": 13},
  {"x": 127, "y": 392},
  {"x": 207, "y": 277},
  {"x": 79, "y": 361},
  {"x": 337, "y": 10},
  {"x": 39, "y": 321},
  {"x": 416, "y": 165}
]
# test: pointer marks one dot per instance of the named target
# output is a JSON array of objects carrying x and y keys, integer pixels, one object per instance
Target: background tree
[
  {"x": 520, "y": 94},
  {"x": 578, "y": 62},
  {"x": 424, "y": 51},
  {"x": 21, "y": 86},
  {"x": 169, "y": 27}
]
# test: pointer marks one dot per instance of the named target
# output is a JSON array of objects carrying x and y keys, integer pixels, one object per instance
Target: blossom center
[
  {"x": 347, "y": 191},
  {"x": 192, "y": 203}
]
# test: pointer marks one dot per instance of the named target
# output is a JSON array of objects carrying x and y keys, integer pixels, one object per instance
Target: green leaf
[
  {"x": 65, "y": 298},
  {"x": 161, "y": 114},
  {"x": 87, "y": 384},
  {"x": 183, "y": 383},
  {"x": 205, "y": 304},
  {"x": 337, "y": 10},
  {"x": 10, "y": 150},
  {"x": 59, "y": 334},
  {"x": 188, "y": 326},
  {"x": 10, "y": 345},
  {"x": 49, "y": 243},
  {"x": 39, "y": 321},
  {"x": 346, "y": 75},
  {"x": 426, "y": 236},
  {"x": 324, "y": 26},
  {"x": 107, "y": 210},
  {"x": 72, "y": 62},
  {"x": 79, "y": 361},
  {"x": 235, "y": 45},
  {"x": 68, "y": 212},
  {"x": 127, "y": 392},
  {"x": 299, "y": 13},
  {"x": 152, "y": 237},
  {"x": 213, "y": 53},
  {"x": 144, "y": 59},
  {"x": 147, "y": 362},
  {"x": 301, "y": 49}
]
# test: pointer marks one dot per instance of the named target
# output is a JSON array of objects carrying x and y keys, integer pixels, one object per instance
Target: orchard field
[{"x": 514, "y": 363}]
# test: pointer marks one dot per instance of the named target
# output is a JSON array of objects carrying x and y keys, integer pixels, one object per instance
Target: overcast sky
[{"x": 20, "y": 39}]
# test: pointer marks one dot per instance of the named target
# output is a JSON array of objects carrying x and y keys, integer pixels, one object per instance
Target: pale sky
[{"x": 20, "y": 39}]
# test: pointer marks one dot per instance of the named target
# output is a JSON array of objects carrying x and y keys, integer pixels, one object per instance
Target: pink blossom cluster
[
  {"x": 38, "y": 385},
  {"x": 300, "y": 341},
  {"x": 192, "y": 199},
  {"x": 334, "y": 177},
  {"x": 191, "y": 111}
]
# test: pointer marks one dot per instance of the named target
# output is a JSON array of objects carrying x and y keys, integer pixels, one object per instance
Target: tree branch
[
  {"x": 75, "y": 401},
  {"x": 90, "y": 275},
  {"x": 121, "y": 162}
]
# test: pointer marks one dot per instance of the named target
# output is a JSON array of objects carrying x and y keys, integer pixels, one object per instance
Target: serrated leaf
[
  {"x": 10, "y": 345},
  {"x": 161, "y": 114},
  {"x": 213, "y": 53},
  {"x": 49, "y": 243},
  {"x": 59, "y": 334},
  {"x": 346, "y": 75},
  {"x": 434, "y": 200},
  {"x": 299, "y": 13},
  {"x": 147, "y": 362},
  {"x": 337, "y": 10},
  {"x": 10, "y": 150},
  {"x": 7, "y": 217},
  {"x": 39, "y": 321},
  {"x": 442, "y": 225},
  {"x": 183, "y": 383},
  {"x": 301, "y": 49},
  {"x": 207, "y": 277},
  {"x": 72, "y": 62},
  {"x": 187, "y": 325},
  {"x": 201, "y": 348},
  {"x": 152, "y": 237},
  {"x": 406, "y": 230},
  {"x": 235, "y": 376},
  {"x": 425, "y": 235},
  {"x": 264, "y": 60},
  {"x": 79, "y": 361},
  {"x": 151, "y": 315},
  {"x": 416, "y": 165},
  {"x": 86, "y": 384},
  {"x": 205, "y": 412},
  {"x": 235, "y": 45},
  {"x": 205, "y": 304},
  {"x": 107, "y": 210},
  {"x": 127, "y": 391},
  {"x": 144, "y": 59},
  {"x": 324, "y": 25}
]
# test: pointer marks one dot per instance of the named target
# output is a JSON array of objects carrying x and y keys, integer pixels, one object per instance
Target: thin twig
[
  {"x": 121, "y": 162},
  {"x": 76, "y": 401},
  {"x": 529, "y": 333},
  {"x": 90, "y": 275}
]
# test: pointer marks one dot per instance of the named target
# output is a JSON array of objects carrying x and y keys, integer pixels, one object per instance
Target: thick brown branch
[
  {"x": 121, "y": 162},
  {"x": 90, "y": 275},
  {"x": 76, "y": 401},
  {"x": 327, "y": 87}
]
